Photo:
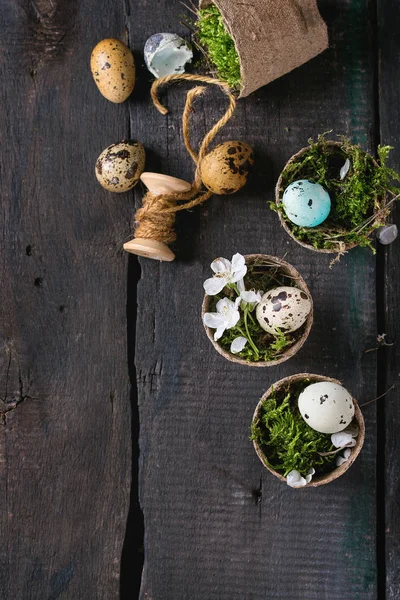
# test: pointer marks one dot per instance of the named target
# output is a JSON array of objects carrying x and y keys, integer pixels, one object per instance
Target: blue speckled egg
[{"x": 306, "y": 203}]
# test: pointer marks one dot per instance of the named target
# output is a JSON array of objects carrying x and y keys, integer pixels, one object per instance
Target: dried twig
[
  {"x": 381, "y": 396},
  {"x": 349, "y": 445}
]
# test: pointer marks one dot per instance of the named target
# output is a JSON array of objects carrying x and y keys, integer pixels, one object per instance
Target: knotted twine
[{"x": 155, "y": 220}]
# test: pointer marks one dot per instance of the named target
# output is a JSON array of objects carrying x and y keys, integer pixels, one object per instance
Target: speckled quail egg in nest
[
  {"x": 326, "y": 407},
  {"x": 283, "y": 308},
  {"x": 306, "y": 203}
]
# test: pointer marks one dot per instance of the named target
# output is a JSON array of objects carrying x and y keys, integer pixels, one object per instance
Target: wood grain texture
[
  {"x": 65, "y": 392},
  {"x": 388, "y": 292},
  {"x": 216, "y": 524}
]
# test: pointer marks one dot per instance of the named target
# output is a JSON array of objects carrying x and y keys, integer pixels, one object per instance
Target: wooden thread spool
[
  {"x": 158, "y": 185},
  {"x": 168, "y": 195}
]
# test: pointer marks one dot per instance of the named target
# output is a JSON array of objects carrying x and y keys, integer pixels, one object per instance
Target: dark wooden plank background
[{"x": 94, "y": 341}]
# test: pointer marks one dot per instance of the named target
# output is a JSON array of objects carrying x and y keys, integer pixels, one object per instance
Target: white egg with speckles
[
  {"x": 167, "y": 54},
  {"x": 326, "y": 407},
  {"x": 283, "y": 308}
]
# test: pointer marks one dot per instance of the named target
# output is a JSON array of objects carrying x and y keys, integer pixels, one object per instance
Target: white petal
[
  {"x": 249, "y": 297},
  {"x": 214, "y": 285},
  {"x": 295, "y": 480},
  {"x": 310, "y": 474},
  {"x": 238, "y": 262},
  {"x": 224, "y": 306},
  {"x": 219, "y": 332},
  {"x": 213, "y": 320},
  {"x": 236, "y": 275},
  {"x": 232, "y": 318},
  {"x": 341, "y": 439},
  {"x": 238, "y": 344},
  {"x": 240, "y": 285},
  {"x": 221, "y": 265},
  {"x": 238, "y": 302},
  {"x": 345, "y": 169},
  {"x": 347, "y": 453}
]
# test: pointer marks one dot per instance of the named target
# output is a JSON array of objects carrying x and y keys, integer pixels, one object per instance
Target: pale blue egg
[
  {"x": 306, "y": 203},
  {"x": 167, "y": 54}
]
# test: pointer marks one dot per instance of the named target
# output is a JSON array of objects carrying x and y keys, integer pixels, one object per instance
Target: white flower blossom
[
  {"x": 342, "y": 459},
  {"x": 248, "y": 298},
  {"x": 238, "y": 344},
  {"x": 226, "y": 317},
  {"x": 295, "y": 480},
  {"x": 226, "y": 272}
]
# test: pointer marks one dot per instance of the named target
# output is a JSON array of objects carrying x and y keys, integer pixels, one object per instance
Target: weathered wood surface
[
  {"x": 388, "y": 296},
  {"x": 65, "y": 431},
  {"x": 216, "y": 524}
]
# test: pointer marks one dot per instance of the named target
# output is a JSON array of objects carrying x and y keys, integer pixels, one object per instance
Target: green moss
[
  {"x": 354, "y": 199},
  {"x": 286, "y": 440},
  {"x": 259, "y": 276},
  {"x": 218, "y": 45}
]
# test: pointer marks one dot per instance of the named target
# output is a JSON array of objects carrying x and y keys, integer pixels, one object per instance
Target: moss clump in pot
[
  {"x": 286, "y": 440},
  {"x": 357, "y": 185},
  {"x": 212, "y": 36}
]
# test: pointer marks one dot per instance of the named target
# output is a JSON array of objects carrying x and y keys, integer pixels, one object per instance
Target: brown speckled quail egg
[
  {"x": 225, "y": 169},
  {"x": 119, "y": 167},
  {"x": 326, "y": 407},
  {"x": 285, "y": 308},
  {"x": 113, "y": 69}
]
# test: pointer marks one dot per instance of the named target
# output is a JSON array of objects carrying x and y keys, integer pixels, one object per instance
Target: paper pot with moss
[
  {"x": 270, "y": 38},
  {"x": 294, "y": 450},
  {"x": 249, "y": 308},
  {"x": 361, "y": 191}
]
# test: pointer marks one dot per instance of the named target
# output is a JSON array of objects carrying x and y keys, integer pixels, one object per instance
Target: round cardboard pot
[
  {"x": 286, "y": 269},
  {"x": 358, "y": 418},
  {"x": 271, "y": 37},
  {"x": 279, "y": 189}
]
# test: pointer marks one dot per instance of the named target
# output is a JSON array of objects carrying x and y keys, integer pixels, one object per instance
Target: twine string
[{"x": 156, "y": 218}]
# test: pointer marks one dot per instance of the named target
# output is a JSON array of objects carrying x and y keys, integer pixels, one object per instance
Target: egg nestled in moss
[
  {"x": 225, "y": 169},
  {"x": 327, "y": 407},
  {"x": 284, "y": 309},
  {"x": 306, "y": 203}
]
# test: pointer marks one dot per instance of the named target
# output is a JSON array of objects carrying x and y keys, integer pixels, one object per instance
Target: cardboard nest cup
[
  {"x": 358, "y": 418},
  {"x": 279, "y": 190},
  {"x": 286, "y": 269},
  {"x": 271, "y": 37}
]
